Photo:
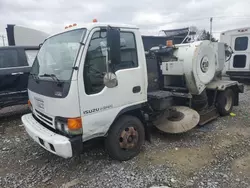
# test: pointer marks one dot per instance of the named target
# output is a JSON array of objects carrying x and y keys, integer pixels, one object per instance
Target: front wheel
[
  {"x": 125, "y": 138},
  {"x": 225, "y": 102}
]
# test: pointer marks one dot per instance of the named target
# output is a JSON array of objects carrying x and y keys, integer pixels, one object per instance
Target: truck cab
[{"x": 69, "y": 100}]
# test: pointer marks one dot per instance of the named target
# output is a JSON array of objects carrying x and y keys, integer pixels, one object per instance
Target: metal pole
[{"x": 211, "y": 23}]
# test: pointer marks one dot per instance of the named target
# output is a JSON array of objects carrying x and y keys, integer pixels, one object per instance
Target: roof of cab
[{"x": 97, "y": 24}]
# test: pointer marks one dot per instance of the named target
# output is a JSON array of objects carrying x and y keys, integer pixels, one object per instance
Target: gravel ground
[{"x": 215, "y": 155}]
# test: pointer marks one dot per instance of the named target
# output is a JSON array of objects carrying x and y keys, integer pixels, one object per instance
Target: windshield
[{"x": 57, "y": 56}]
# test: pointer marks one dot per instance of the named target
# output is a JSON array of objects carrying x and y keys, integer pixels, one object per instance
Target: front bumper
[{"x": 54, "y": 143}]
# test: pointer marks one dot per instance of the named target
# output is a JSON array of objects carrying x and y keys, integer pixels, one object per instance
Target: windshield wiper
[
  {"x": 53, "y": 76},
  {"x": 35, "y": 77}
]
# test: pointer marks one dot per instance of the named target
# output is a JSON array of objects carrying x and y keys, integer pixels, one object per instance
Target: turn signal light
[
  {"x": 242, "y": 30},
  {"x": 74, "y": 123},
  {"x": 30, "y": 105},
  {"x": 69, "y": 26}
]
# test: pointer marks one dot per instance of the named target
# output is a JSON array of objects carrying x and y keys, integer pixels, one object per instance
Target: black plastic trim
[
  {"x": 40, "y": 116},
  {"x": 49, "y": 88},
  {"x": 52, "y": 147},
  {"x": 76, "y": 145},
  {"x": 46, "y": 126},
  {"x": 40, "y": 113},
  {"x": 136, "y": 89},
  {"x": 41, "y": 141}
]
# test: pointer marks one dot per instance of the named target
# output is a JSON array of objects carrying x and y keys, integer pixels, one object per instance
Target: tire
[
  {"x": 225, "y": 102},
  {"x": 118, "y": 143}
]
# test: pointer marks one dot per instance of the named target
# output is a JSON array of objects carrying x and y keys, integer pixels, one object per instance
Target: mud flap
[
  {"x": 208, "y": 115},
  {"x": 188, "y": 119}
]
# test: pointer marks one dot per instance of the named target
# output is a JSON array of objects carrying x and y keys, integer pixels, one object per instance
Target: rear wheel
[
  {"x": 125, "y": 138},
  {"x": 225, "y": 102}
]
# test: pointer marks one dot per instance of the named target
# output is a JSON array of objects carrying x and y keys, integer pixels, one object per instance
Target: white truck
[
  {"x": 96, "y": 81},
  {"x": 238, "y": 66}
]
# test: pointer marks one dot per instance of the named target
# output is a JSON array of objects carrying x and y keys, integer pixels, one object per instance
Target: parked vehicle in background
[
  {"x": 24, "y": 36},
  {"x": 15, "y": 65},
  {"x": 238, "y": 67},
  {"x": 16, "y": 60}
]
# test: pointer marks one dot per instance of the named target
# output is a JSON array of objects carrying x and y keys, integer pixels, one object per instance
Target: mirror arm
[{"x": 107, "y": 59}]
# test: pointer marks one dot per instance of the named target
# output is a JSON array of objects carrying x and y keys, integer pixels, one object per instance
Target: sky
[{"x": 151, "y": 16}]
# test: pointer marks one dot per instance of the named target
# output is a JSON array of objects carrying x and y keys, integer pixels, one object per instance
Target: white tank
[{"x": 197, "y": 61}]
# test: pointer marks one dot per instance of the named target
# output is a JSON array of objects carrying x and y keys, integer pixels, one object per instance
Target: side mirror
[
  {"x": 113, "y": 55},
  {"x": 110, "y": 80},
  {"x": 114, "y": 45}
]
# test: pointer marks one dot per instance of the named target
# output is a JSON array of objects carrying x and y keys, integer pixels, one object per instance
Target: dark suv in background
[{"x": 15, "y": 65}]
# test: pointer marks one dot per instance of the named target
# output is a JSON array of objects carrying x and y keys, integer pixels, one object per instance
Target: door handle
[
  {"x": 16, "y": 73},
  {"x": 136, "y": 89}
]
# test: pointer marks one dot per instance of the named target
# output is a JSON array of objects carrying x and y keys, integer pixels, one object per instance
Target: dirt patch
[
  {"x": 185, "y": 160},
  {"x": 239, "y": 131},
  {"x": 221, "y": 142},
  {"x": 242, "y": 165}
]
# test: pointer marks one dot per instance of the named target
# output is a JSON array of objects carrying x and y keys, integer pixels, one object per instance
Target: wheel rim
[
  {"x": 229, "y": 101},
  {"x": 128, "y": 138}
]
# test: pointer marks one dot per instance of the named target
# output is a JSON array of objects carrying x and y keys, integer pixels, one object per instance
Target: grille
[{"x": 44, "y": 118}]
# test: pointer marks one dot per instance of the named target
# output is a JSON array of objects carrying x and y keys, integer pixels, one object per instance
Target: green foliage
[{"x": 205, "y": 35}]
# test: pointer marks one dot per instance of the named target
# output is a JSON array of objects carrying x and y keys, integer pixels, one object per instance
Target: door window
[
  {"x": 128, "y": 51},
  {"x": 241, "y": 43},
  {"x": 9, "y": 58},
  {"x": 95, "y": 62},
  {"x": 239, "y": 61}
]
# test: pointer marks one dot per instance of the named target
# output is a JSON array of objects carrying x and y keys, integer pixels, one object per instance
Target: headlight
[{"x": 71, "y": 126}]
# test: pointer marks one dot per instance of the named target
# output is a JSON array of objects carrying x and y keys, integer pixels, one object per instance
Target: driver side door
[{"x": 99, "y": 104}]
